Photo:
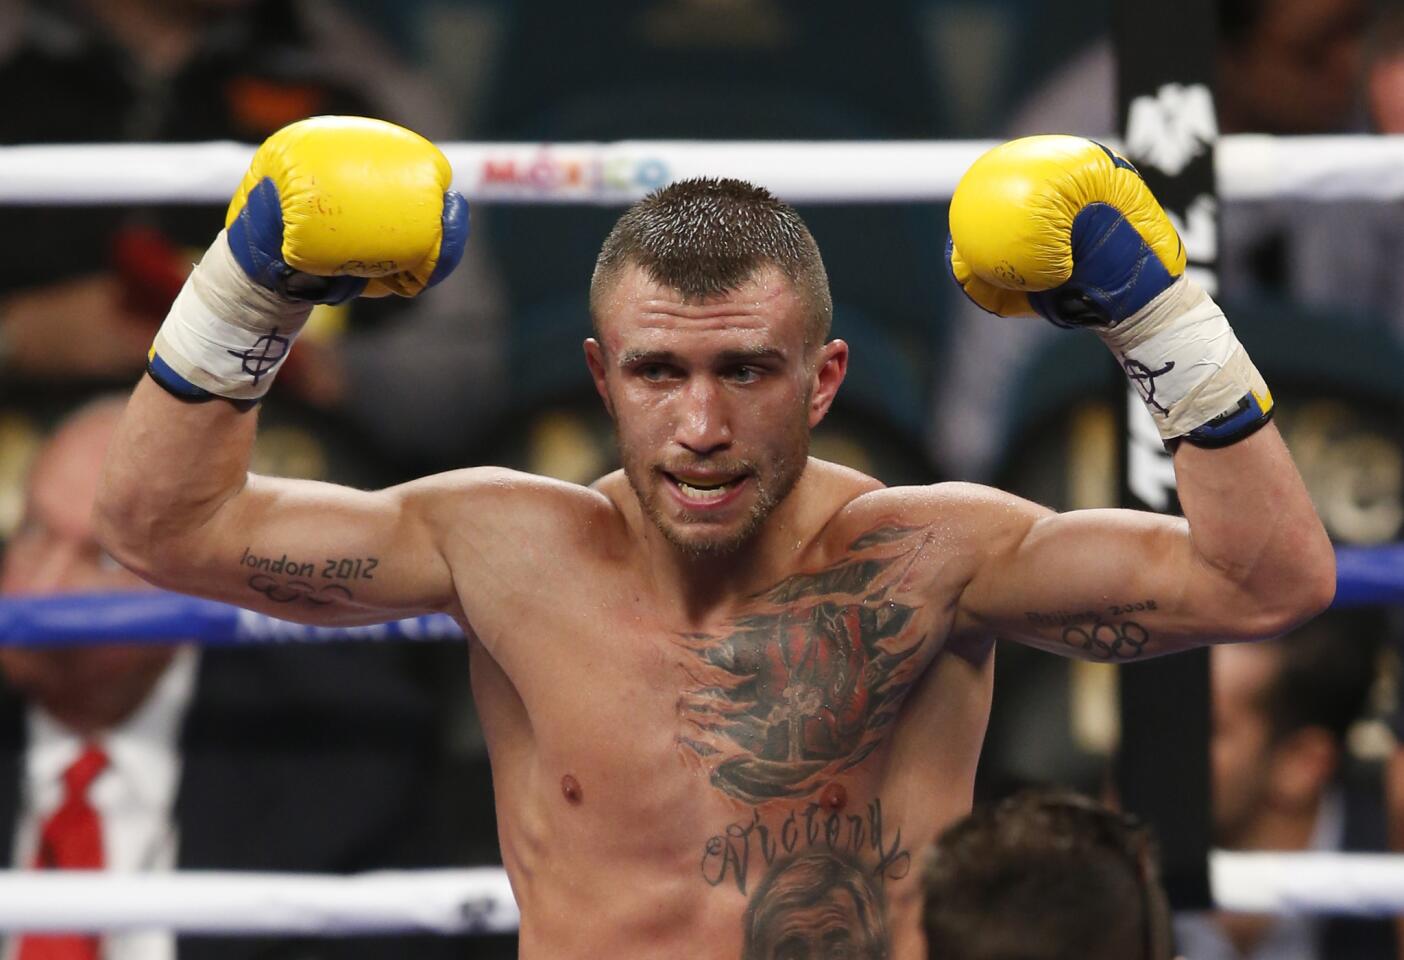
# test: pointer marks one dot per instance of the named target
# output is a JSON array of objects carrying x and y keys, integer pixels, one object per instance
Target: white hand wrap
[
  {"x": 1186, "y": 363},
  {"x": 226, "y": 334}
]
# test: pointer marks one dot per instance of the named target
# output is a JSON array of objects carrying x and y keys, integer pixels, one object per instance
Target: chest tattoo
[{"x": 805, "y": 684}]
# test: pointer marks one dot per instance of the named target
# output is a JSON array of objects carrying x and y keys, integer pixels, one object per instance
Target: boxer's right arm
[
  {"x": 331, "y": 208},
  {"x": 178, "y": 506}
]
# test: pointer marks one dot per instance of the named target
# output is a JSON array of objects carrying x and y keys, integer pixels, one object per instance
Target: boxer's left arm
[
  {"x": 1249, "y": 560},
  {"x": 1063, "y": 228}
]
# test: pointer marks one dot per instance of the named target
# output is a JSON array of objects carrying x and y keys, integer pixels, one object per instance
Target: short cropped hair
[
  {"x": 1324, "y": 673},
  {"x": 1045, "y": 875},
  {"x": 706, "y": 237}
]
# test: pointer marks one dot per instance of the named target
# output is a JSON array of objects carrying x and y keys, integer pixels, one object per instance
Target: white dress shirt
[{"x": 134, "y": 795}]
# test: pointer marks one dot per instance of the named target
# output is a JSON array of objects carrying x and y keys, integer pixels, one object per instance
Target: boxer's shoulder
[
  {"x": 480, "y": 507},
  {"x": 949, "y": 507}
]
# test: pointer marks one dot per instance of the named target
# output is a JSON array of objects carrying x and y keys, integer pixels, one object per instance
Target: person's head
[
  {"x": 815, "y": 907},
  {"x": 1281, "y": 711},
  {"x": 711, "y": 313},
  {"x": 1290, "y": 66},
  {"x": 54, "y": 551},
  {"x": 1045, "y": 875}
]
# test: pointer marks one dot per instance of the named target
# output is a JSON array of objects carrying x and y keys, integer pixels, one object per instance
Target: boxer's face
[
  {"x": 712, "y": 402},
  {"x": 55, "y": 551}
]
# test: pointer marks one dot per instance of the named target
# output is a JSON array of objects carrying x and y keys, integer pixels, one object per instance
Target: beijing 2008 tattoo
[
  {"x": 822, "y": 893},
  {"x": 804, "y": 685},
  {"x": 1092, "y": 633}
]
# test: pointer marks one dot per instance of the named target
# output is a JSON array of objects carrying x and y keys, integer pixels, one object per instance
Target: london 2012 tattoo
[
  {"x": 804, "y": 685},
  {"x": 822, "y": 889},
  {"x": 285, "y": 579}
]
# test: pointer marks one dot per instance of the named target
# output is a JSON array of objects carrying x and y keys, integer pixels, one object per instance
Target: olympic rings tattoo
[{"x": 1108, "y": 641}]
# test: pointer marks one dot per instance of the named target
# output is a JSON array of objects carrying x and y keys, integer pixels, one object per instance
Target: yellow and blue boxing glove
[
  {"x": 1064, "y": 228},
  {"x": 331, "y": 208}
]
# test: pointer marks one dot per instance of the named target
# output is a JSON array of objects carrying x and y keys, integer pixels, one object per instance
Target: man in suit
[
  {"x": 149, "y": 757},
  {"x": 1283, "y": 780}
]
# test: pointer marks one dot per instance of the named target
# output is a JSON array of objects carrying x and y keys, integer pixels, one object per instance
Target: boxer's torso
[{"x": 760, "y": 781}]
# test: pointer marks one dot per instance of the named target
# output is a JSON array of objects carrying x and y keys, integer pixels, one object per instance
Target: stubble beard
[{"x": 773, "y": 484}]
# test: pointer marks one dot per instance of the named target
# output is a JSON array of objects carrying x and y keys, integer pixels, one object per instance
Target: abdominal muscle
[{"x": 779, "y": 882}]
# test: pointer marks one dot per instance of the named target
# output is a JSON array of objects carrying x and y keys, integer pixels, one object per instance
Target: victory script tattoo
[
  {"x": 805, "y": 685},
  {"x": 822, "y": 894}
]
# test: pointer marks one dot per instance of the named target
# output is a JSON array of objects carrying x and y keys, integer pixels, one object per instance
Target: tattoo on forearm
[
  {"x": 822, "y": 888},
  {"x": 1091, "y": 632},
  {"x": 806, "y": 683}
]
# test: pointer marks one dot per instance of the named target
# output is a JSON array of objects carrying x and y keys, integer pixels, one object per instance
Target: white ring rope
[
  {"x": 475, "y": 900},
  {"x": 1250, "y": 167},
  {"x": 480, "y": 900}
]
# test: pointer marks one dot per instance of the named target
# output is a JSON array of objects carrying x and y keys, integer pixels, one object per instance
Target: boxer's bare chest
[{"x": 752, "y": 750}]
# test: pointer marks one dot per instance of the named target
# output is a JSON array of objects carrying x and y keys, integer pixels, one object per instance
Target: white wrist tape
[
  {"x": 1186, "y": 363},
  {"x": 226, "y": 334}
]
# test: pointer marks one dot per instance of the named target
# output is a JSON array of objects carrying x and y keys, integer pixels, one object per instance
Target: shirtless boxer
[{"x": 729, "y": 691}]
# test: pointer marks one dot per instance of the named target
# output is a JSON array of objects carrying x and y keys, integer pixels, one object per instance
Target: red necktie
[{"x": 71, "y": 839}]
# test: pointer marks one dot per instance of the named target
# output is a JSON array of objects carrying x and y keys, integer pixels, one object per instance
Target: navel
[{"x": 570, "y": 789}]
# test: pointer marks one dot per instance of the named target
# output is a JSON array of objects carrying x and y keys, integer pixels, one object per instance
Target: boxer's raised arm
[
  {"x": 179, "y": 507},
  {"x": 332, "y": 208},
  {"x": 1063, "y": 228},
  {"x": 1249, "y": 560}
]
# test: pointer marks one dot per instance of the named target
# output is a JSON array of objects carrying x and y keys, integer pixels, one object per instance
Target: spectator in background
[
  {"x": 275, "y": 759},
  {"x": 1045, "y": 875},
  {"x": 1279, "y": 759},
  {"x": 83, "y": 288}
]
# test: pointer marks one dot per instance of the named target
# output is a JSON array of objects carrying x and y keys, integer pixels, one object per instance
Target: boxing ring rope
[
  {"x": 1249, "y": 167},
  {"x": 1364, "y": 576},
  {"x": 480, "y": 900},
  {"x": 476, "y": 900}
]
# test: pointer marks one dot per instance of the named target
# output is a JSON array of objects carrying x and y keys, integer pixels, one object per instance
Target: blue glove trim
[
  {"x": 454, "y": 239},
  {"x": 256, "y": 240},
  {"x": 1117, "y": 161},
  {"x": 182, "y": 389},
  {"x": 1115, "y": 273},
  {"x": 1245, "y": 419},
  {"x": 256, "y": 235}
]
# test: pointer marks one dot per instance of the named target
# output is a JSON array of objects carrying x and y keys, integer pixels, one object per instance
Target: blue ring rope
[
  {"x": 1365, "y": 576},
  {"x": 156, "y": 616}
]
